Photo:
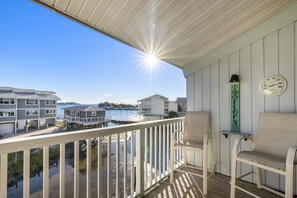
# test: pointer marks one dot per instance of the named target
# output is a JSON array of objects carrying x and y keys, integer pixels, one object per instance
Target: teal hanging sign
[{"x": 235, "y": 103}]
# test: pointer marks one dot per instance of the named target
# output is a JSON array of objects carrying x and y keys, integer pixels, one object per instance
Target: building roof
[
  {"x": 10, "y": 92},
  {"x": 183, "y": 31},
  {"x": 84, "y": 108},
  {"x": 181, "y": 99},
  {"x": 147, "y": 98}
]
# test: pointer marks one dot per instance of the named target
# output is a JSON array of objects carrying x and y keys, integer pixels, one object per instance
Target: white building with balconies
[{"x": 156, "y": 107}]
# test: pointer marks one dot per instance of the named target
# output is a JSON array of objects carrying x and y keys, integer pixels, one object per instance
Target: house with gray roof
[
  {"x": 83, "y": 116},
  {"x": 22, "y": 109}
]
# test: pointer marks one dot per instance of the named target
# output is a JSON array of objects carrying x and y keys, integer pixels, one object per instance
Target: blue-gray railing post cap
[{"x": 234, "y": 78}]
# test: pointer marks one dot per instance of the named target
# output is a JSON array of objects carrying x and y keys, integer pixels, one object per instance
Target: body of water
[{"x": 121, "y": 115}]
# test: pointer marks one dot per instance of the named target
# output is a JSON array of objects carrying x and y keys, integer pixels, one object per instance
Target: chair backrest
[
  {"x": 276, "y": 133},
  {"x": 196, "y": 125}
]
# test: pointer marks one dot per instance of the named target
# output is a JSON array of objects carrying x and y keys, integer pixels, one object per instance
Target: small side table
[{"x": 227, "y": 133}]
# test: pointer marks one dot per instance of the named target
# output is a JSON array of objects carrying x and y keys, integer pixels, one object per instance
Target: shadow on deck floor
[{"x": 186, "y": 185}]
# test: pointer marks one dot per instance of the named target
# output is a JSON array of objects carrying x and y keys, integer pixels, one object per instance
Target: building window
[
  {"x": 6, "y": 113},
  {"x": 166, "y": 104},
  {"x": 31, "y": 112},
  {"x": 50, "y": 102},
  {"x": 8, "y": 101},
  {"x": 31, "y": 101},
  {"x": 93, "y": 113},
  {"x": 72, "y": 113},
  {"x": 50, "y": 111}
]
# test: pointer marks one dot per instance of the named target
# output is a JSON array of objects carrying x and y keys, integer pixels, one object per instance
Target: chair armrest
[
  {"x": 237, "y": 142},
  {"x": 291, "y": 156}
]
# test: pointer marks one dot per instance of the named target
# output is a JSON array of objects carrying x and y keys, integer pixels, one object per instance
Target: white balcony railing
[
  {"x": 87, "y": 120},
  {"x": 141, "y": 158}
]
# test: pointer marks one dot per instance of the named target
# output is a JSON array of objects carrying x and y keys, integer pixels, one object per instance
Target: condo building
[
  {"x": 23, "y": 109},
  {"x": 156, "y": 107}
]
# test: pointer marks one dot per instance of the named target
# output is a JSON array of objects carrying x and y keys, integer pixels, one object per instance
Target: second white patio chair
[
  {"x": 273, "y": 149},
  {"x": 196, "y": 138}
]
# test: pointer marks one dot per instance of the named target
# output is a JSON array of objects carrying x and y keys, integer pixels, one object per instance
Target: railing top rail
[{"x": 20, "y": 144}]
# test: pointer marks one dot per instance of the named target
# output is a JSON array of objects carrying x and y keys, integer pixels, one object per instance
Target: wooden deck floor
[{"x": 186, "y": 185}]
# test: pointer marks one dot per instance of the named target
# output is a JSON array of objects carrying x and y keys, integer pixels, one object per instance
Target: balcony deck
[{"x": 186, "y": 185}]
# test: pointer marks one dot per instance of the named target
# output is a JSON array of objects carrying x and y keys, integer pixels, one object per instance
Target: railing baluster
[
  {"x": 145, "y": 158},
  {"x": 168, "y": 146},
  {"x": 151, "y": 155},
  {"x": 160, "y": 150},
  {"x": 26, "y": 174},
  {"x": 132, "y": 163},
  {"x": 117, "y": 165},
  {"x": 45, "y": 172},
  {"x": 155, "y": 154},
  {"x": 76, "y": 169},
  {"x": 3, "y": 176},
  {"x": 163, "y": 153},
  {"x": 89, "y": 161},
  {"x": 99, "y": 162},
  {"x": 62, "y": 170},
  {"x": 140, "y": 177},
  {"x": 125, "y": 164},
  {"x": 108, "y": 166}
]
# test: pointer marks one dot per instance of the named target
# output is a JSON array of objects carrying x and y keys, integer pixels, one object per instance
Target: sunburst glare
[{"x": 150, "y": 63}]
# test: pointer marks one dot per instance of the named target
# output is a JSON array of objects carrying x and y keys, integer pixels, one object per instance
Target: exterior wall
[
  {"x": 67, "y": 112},
  {"x": 3, "y": 106},
  {"x": 43, "y": 105},
  {"x": 22, "y": 115},
  {"x": 43, "y": 115},
  {"x": 22, "y": 104},
  {"x": 208, "y": 90},
  {"x": 157, "y": 105},
  {"x": 98, "y": 114},
  {"x": 7, "y": 119}
]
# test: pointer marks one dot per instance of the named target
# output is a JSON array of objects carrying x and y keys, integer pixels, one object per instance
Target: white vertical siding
[{"x": 208, "y": 90}]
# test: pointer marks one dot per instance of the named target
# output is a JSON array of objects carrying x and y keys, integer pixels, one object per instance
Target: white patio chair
[
  {"x": 273, "y": 149},
  {"x": 195, "y": 138}
]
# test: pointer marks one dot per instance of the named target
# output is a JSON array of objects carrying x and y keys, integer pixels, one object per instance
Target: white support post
[
  {"x": 139, "y": 162},
  {"x": 108, "y": 167},
  {"x": 172, "y": 154},
  {"x": 99, "y": 168},
  {"x": 125, "y": 164},
  {"x": 89, "y": 168},
  {"x": 118, "y": 166}
]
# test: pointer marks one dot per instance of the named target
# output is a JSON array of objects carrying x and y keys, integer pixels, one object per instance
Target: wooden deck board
[{"x": 186, "y": 185}]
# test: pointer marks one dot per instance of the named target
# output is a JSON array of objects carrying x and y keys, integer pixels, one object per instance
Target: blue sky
[{"x": 43, "y": 50}]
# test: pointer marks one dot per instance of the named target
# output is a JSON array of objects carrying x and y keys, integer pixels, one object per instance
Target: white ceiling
[{"x": 177, "y": 31}]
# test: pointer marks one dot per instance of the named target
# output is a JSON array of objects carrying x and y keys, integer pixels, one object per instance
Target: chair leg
[
  {"x": 233, "y": 177},
  {"x": 289, "y": 182},
  {"x": 258, "y": 178},
  {"x": 205, "y": 167}
]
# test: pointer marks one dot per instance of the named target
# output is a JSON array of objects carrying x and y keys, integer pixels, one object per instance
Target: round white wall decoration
[{"x": 273, "y": 85}]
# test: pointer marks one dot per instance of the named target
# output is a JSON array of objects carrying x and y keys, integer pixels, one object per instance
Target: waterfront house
[
  {"x": 156, "y": 107},
  {"x": 82, "y": 116},
  {"x": 210, "y": 41},
  {"x": 22, "y": 109}
]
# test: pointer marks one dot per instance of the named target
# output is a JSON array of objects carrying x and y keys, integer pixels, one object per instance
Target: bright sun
[
  {"x": 151, "y": 60},
  {"x": 150, "y": 63}
]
